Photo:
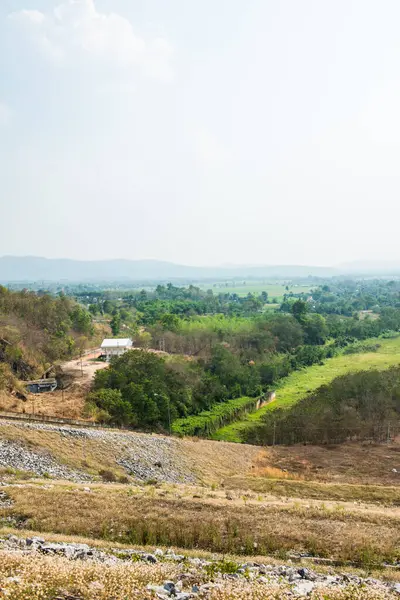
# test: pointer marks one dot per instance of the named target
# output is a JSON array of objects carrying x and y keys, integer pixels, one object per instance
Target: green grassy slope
[{"x": 301, "y": 383}]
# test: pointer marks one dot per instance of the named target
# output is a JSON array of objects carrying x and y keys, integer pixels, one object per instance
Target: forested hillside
[{"x": 36, "y": 330}]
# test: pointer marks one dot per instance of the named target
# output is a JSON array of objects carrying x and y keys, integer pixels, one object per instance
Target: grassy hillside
[{"x": 301, "y": 383}]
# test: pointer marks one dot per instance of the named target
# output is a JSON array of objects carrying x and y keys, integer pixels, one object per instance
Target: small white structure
[{"x": 115, "y": 347}]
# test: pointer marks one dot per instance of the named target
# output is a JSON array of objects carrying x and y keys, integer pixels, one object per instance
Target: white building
[{"x": 115, "y": 347}]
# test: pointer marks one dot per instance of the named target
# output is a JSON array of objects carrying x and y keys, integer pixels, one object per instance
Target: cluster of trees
[
  {"x": 36, "y": 329},
  {"x": 363, "y": 405},
  {"x": 346, "y": 296},
  {"x": 227, "y": 356},
  {"x": 146, "y": 390},
  {"x": 56, "y": 315},
  {"x": 140, "y": 389},
  {"x": 242, "y": 359},
  {"x": 166, "y": 303}
]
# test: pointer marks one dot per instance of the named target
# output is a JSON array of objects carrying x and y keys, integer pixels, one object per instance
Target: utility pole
[{"x": 274, "y": 437}]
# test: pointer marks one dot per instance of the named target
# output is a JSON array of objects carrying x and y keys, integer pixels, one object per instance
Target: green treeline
[{"x": 363, "y": 405}]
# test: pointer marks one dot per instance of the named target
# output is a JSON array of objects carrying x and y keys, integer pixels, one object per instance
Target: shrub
[{"x": 107, "y": 476}]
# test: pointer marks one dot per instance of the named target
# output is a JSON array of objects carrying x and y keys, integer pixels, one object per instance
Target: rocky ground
[
  {"x": 144, "y": 457},
  {"x": 198, "y": 577},
  {"x": 17, "y": 456}
]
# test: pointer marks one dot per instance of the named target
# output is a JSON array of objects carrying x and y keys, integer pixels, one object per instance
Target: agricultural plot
[{"x": 242, "y": 288}]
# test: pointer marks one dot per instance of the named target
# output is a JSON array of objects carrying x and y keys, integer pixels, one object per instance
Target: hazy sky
[{"x": 200, "y": 131}]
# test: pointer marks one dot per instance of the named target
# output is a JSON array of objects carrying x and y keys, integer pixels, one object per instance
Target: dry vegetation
[
  {"x": 361, "y": 463},
  {"x": 247, "y": 501},
  {"x": 220, "y": 521},
  {"x": 43, "y": 578},
  {"x": 46, "y": 578}
]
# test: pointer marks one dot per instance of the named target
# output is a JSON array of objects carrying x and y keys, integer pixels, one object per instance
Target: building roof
[{"x": 117, "y": 343}]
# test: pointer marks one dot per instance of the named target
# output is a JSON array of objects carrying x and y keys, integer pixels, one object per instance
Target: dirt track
[{"x": 68, "y": 403}]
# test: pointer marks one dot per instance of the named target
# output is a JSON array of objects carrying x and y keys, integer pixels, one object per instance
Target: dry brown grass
[
  {"x": 316, "y": 490},
  {"x": 42, "y": 578},
  {"x": 362, "y": 463},
  {"x": 143, "y": 516},
  {"x": 69, "y": 403},
  {"x": 54, "y": 404},
  {"x": 45, "y": 578},
  {"x": 213, "y": 461}
]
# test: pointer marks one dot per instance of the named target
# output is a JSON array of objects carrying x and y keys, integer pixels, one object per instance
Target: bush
[
  {"x": 107, "y": 476},
  {"x": 123, "y": 479}
]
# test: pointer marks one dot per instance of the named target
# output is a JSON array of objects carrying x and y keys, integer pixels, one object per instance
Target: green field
[
  {"x": 242, "y": 288},
  {"x": 300, "y": 384}
]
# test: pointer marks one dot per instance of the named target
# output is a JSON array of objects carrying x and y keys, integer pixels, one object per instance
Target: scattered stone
[
  {"x": 17, "y": 456},
  {"x": 307, "y": 574},
  {"x": 189, "y": 583},
  {"x": 149, "y": 457},
  {"x": 5, "y": 501},
  {"x": 151, "y": 558},
  {"x": 302, "y": 588}
]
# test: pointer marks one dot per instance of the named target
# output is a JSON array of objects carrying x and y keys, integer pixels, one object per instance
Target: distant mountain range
[
  {"x": 379, "y": 267},
  {"x": 34, "y": 269},
  {"x": 30, "y": 268}
]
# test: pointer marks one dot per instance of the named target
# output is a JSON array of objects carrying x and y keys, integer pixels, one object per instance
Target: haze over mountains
[{"x": 30, "y": 268}]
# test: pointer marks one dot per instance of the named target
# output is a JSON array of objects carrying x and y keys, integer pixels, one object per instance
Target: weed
[{"x": 223, "y": 567}]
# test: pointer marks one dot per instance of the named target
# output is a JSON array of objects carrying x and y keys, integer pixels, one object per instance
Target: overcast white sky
[{"x": 201, "y": 132}]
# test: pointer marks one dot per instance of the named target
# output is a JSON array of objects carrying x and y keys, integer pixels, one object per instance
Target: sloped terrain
[{"x": 143, "y": 494}]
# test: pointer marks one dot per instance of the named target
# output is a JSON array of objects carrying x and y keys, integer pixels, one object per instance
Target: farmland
[{"x": 275, "y": 290}]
